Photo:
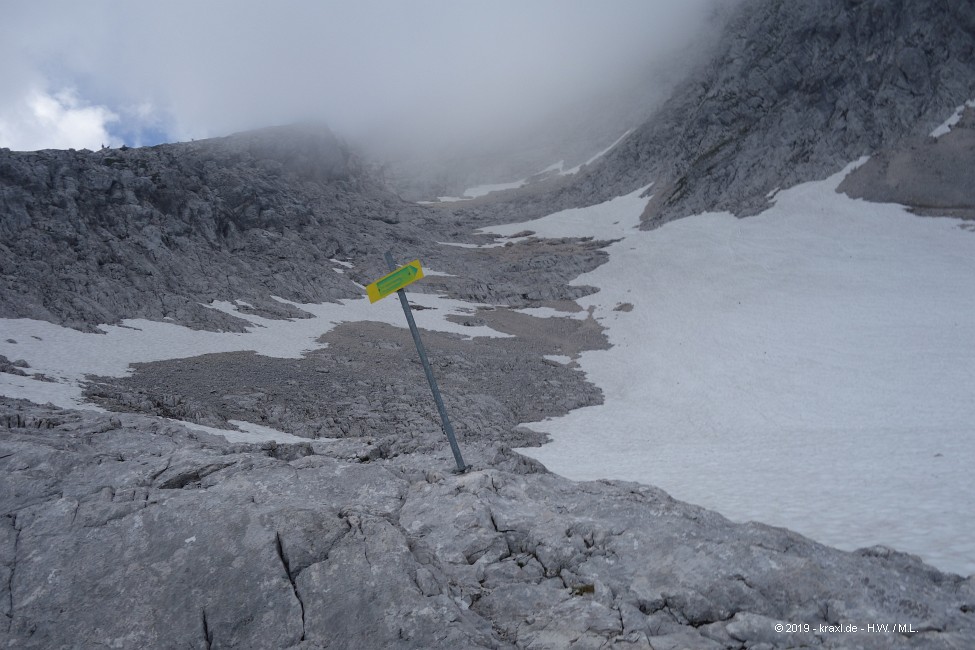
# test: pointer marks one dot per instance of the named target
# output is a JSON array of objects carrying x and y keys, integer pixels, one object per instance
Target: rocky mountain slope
[
  {"x": 92, "y": 237},
  {"x": 123, "y": 529},
  {"x": 159, "y": 232},
  {"x": 804, "y": 88},
  {"x": 796, "y": 91}
]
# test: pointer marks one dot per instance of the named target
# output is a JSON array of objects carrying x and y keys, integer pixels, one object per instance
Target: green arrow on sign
[{"x": 395, "y": 281}]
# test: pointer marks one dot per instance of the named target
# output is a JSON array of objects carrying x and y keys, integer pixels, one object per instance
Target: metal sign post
[{"x": 402, "y": 277}]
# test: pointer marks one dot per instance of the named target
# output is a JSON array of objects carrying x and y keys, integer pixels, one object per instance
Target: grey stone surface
[
  {"x": 92, "y": 237},
  {"x": 934, "y": 177},
  {"x": 368, "y": 381},
  {"x": 121, "y": 531}
]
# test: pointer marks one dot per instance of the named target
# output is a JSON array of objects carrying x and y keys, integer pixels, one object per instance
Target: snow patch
[
  {"x": 249, "y": 432},
  {"x": 559, "y": 168},
  {"x": 613, "y": 219},
  {"x": 440, "y": 274},
  {"x": 945, "y": 128},
  {"x": 548, "y": 312},
  {"x": 463, "y": 245},
  {"x": 554, "y": 167},
  {"x": 575, "y": 170},
  {"x": 483, "y": 190},
  {"x": 558, "y": 358},
  {"x": 68, "y": 356}
]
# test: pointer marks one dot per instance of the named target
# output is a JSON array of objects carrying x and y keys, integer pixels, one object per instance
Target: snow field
[{"x": 810, "y": 367}]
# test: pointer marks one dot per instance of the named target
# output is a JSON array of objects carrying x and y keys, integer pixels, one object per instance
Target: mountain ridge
[
  {"x": 88, "y": 236},
  {"x": 795, "y": 92}
]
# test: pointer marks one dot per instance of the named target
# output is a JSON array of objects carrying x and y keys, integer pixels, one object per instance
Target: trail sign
[{"x": 393, "y": 282}]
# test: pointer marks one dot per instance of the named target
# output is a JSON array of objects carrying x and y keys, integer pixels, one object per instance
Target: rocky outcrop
[
  {"x": 94, "y": 237},
  {"x": 932, "y": 176},
  {"x": 120, "y": 531},
  {"x": 801, "y": 90}
]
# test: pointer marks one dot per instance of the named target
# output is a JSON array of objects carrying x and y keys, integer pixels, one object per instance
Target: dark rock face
[
  {"x": 796, "y": 91},
  {"x": 121, "y": 531},
  {"x": 804, "y": 88}
]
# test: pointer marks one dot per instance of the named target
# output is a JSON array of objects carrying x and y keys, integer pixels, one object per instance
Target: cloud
[
  {"x": 436, "y": 66},
  {"x": 55, "y": 121}
]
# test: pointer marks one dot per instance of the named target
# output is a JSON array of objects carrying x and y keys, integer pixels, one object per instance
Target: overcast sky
[{"x": 82, "y": 74}]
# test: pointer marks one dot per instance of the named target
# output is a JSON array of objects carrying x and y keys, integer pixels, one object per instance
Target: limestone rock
[{"x": 122, "y": 531}]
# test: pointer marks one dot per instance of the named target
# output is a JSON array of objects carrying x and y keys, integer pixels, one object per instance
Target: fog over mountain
[{"x": 82, "y": 75}]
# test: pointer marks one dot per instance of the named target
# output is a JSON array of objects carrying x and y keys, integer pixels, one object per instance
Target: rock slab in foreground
[{"x": 123, "y": 531}]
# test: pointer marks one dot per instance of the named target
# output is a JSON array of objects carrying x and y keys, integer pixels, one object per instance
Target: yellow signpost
[{"x": 393, "y": 282}]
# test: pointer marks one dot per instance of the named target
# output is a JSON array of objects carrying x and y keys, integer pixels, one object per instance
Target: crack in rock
[{"x": 279, "y": 547}]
